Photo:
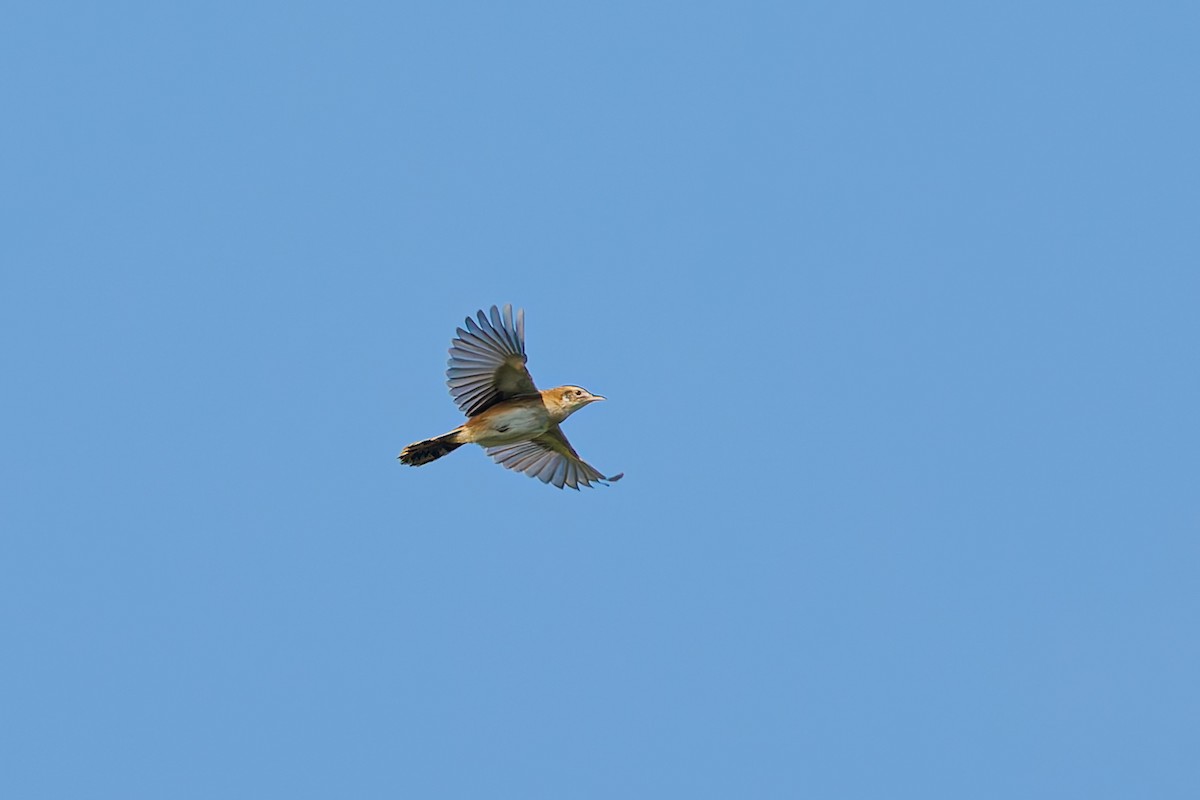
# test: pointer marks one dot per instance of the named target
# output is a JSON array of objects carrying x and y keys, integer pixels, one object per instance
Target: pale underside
[{"x": 507, "y": 425}]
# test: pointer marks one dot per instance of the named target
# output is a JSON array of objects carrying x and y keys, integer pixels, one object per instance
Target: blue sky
[{"x": 895, "y": 306}]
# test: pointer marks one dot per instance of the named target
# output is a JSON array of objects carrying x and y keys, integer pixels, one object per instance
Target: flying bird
[{"x": 516, "y": 424}]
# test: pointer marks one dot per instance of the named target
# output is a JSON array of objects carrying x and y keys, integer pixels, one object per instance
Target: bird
[{"x": 516, "y": 424}]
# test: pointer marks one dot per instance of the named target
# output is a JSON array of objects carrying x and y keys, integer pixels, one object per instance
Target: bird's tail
[{"x": 427, "y": 450}]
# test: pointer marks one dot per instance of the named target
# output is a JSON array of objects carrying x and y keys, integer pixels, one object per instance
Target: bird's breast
[{"x": 508, "y": 422}]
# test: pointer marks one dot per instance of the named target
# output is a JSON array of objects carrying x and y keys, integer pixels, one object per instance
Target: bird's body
[
  {"x": 507, "y": 415},
  {"x": 508, "y": 422}
]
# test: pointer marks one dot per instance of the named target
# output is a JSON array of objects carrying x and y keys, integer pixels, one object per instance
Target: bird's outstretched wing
[
  {"x": 487, "y": 362},
  {"x": 551, "y": 458}
]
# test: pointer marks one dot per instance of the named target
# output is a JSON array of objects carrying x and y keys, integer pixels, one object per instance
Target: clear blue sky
[{"x": 897, "y": 307}]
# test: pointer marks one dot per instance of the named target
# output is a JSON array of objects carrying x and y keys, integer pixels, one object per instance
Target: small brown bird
[{"x": 506, "y": 414}]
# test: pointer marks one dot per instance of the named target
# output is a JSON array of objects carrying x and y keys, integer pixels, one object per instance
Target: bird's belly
[{"x": 509, "y": 425}]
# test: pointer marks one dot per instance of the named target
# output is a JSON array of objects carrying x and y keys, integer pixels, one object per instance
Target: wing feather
[
  {"x": 487, "y": 361},
  {"x": 551, "y": 459}
]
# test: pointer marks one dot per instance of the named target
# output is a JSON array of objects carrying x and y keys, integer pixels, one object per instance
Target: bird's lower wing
[{"x": 551, "y": 459}]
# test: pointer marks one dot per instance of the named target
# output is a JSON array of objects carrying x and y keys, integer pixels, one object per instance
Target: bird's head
[{"x": 563, "y": 401}]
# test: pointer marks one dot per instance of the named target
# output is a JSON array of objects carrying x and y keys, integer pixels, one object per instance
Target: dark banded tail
[{"x": 423, "y": 452}]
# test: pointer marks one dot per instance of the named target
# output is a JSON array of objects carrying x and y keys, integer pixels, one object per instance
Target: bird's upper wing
[
  {"x": 551, "y": 458},
  {"x": 487, "y": 362}
]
